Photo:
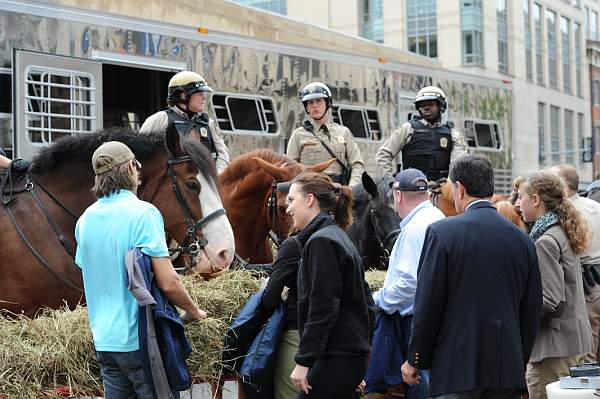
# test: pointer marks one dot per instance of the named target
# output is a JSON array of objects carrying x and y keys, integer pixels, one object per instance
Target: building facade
[{"x": 539, "y": 46}]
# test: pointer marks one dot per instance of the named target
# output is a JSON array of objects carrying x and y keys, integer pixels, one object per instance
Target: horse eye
[{"x": 193, "y": 185}]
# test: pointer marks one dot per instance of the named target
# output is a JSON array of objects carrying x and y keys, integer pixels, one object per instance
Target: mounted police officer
[
  {"x": 320, "y": 139},
  {"x": 427, "y": 143},
  {"x": 186, "y": 100}
]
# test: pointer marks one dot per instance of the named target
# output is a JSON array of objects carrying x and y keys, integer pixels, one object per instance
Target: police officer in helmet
[
  {"x": 427, "y": 142},
  {"x": 187, "y": 99},
  {"x": 319, "y": 139}
]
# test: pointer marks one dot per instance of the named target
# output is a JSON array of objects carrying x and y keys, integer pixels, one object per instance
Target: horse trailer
[{"x": 69, "y": 70}]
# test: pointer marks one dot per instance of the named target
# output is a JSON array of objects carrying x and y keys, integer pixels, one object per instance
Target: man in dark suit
[{"x": 479, "y": 296}]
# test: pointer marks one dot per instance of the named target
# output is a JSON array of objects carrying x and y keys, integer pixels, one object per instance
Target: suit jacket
[
  {"x": 565, "y": 329},
  {"x": 478, "y": 303}
]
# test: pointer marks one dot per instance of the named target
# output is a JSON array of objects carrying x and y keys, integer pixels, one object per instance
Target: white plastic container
[{"x": 554, "y": 391}]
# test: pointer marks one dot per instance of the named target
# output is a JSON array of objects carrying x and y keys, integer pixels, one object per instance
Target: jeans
[{"x": 123, "y": 376}]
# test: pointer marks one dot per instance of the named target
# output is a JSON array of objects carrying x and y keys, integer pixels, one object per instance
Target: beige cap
[{"x": 118, "y": 153}]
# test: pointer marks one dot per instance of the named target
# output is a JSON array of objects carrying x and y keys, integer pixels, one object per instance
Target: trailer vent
[
  {"x": 362, "y": 122},
  {"x": 238, "y": 113}
]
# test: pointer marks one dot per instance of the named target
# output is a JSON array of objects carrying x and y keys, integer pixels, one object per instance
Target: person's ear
[{"x": 535, "y": 200}]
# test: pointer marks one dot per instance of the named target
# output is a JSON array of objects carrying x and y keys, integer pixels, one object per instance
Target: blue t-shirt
[{"x": 105, "y": 232}]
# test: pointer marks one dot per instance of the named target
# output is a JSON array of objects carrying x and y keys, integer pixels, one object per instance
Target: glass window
[
  {"x": 58, "y": 103},
  {"x": 552, "y": 59},
  {"x": 483, "y": 135},
  {"x": 569, "y": 150},
  {"x": 566, "y": 53},
  {"x": 278, "y": 6},
  {"x": 6, "y": 113},
  {"x": 555, "y": 134},
  {"x": 580, "y": 128},
  {"x": 472, "y": 31},
  {"x": 539, "y": 65},
  {"x": 245, "y": 114},
  {"x": 578, "y": 56},
  {"x": 501, "y": 16},
  {"x": 421, "y": 22},
  {"x": 527, "y": 20},
  {"x": 593, "y": 25},
  {"x": 363, "y": 123},
  {"x": 372, "y": 26},
  {"x": 542, "y": 134}
]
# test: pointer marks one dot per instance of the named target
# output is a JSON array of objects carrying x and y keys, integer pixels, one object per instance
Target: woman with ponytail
[
  {"x": 560, "y": 236},
  {"x": 334, "y": 322}
]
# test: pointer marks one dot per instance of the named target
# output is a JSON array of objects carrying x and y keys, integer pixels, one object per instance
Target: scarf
[{"x": 546, "y": 221}]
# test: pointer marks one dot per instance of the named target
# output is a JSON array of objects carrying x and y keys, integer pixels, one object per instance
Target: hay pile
[
  {"x": 56, "y": 349},
  {"x": 375, "y": 278}
]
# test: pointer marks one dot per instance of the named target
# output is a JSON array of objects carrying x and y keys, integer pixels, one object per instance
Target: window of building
[
  {"x": 542, "y": 134},
  {"x": 580, "y": 128},
  {"x": 591, "y": 20},
  {"x": 539, "y": 65},
  {"x": 372, "y": 26},
  {"x": 569, "y": 150},
  {"x": 59, "y": 103},
  {"x": 484, "y": 135},
  {"x": 277, "y": 6},
  {"x": 362, "y": 122},
  {"x": 596, "y": 92},
  {"x": 552, "y": 53},
  {"x": 555, "y": 134},
  {"x": 471, "y": 14},
  {"x": 566, "y": 53},
  {"x": 527, "y": 21},
  {"x": 245, "y": 113},
  {"x": 501, "y": 16},
  {"x": 578, "y": 56},
  {"x": 421, "y": 22}
]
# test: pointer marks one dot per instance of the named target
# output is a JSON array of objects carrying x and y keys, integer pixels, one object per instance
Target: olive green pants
[{"x": 288, "y": 347}]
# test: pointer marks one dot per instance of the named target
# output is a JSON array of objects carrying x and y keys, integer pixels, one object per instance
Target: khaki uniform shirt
[
  {"x": 399, "y": 138},
  {"x": 305, "y": 148},
  {"x": 160, "y": 120}
]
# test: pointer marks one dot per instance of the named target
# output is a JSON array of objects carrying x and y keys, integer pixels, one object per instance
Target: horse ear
[
  {"x": 173, "y": 141},
  {"x": 369, "y": 184},
  {"x": 319, "y": 167},
  {"x": 278, "y": 172}
]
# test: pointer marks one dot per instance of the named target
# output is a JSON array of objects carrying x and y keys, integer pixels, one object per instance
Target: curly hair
[
  {"x": 551, "y": 190},
  {"x": 331, "y": 197}
]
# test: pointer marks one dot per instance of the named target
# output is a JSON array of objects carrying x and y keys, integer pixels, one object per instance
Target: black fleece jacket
[{"x": 334, "y": 301}]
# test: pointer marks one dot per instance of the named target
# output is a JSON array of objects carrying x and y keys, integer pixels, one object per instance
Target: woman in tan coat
[{"x": 560, "y": 235}]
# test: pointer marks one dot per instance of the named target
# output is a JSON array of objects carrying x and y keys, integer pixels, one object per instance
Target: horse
[
  {"x": 375, "y": 223},
  {"x": 254, "y": 206},
  {"x": 441, "y": 196},
  {"x": 41, "y": 208}
]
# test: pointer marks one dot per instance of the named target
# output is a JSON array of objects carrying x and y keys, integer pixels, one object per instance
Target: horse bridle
[
  {"x": 435, "y": 189},
  {"x": 274, "y": 217},
  {"x": 383, "y": 243},
  {"x": 192, "y": 244}
]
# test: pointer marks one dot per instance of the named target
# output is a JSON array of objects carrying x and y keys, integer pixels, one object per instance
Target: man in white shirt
[{"x": 395, "y": 299}]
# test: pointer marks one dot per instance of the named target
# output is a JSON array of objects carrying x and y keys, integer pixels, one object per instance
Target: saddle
[{"x": 14, "y": 180}]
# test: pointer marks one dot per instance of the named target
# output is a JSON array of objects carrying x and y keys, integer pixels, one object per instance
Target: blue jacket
[{"x": 159, "y": 326}]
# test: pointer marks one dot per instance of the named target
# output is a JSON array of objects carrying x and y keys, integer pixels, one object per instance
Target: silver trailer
[{"x": 67, "y": 70}]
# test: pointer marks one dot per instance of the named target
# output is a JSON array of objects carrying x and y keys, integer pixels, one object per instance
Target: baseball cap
[
  {"x": 410, "y": 180},
  {"x": 117, "y": 152}
]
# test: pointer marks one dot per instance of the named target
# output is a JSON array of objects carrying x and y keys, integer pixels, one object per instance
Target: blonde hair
[
  {"x": 551, "y": 190},
  {"x": 331, "y": 197},
  {"x": 120, "y": 177}
]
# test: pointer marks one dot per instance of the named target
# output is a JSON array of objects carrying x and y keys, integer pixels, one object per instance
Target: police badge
[
  {"x": 443, "y": 142},
  {"x": 341, "y": 140},
  {"x": 203, "y": 132}
]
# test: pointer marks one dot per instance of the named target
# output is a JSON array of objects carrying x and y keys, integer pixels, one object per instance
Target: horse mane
[
  {"x": 244, "y": 165},
  {"x": 81, "y": 147}
]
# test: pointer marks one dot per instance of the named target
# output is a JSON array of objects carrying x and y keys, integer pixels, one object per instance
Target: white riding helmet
[{"x": 431, "y": 93}]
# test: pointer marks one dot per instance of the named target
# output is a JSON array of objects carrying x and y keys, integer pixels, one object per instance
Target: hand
[
  {"x": 410, "y": 374},
  {"x": 361, "y": 386},
  {"x": 299, "y": 380},
  {"x": 198, "y": 314}
]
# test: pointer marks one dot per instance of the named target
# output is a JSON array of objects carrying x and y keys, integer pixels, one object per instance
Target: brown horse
[
  {"x": 39, "y": 213},
  {"x": 441, "y": 196},
  {"x": 254, "y": 206}
]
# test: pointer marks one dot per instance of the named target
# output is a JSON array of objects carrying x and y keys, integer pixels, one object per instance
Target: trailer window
[
  {"x": 6, "y": 113},
  {"x": 245, "y": 114},
  {"x": 362, "y": 122},
  {"x": 58, "y": 103},
  {"x": 483, "y": 135}
]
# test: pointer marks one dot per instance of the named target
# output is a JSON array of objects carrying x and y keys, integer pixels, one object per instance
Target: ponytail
[
  {"x": 331, "y": 197},
  {"x": 574, "y": 225}
]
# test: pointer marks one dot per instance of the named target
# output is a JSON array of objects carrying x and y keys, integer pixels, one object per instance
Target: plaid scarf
[{"x": 546, "y": 221}]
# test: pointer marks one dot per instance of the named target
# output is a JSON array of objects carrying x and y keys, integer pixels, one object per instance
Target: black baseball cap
[{"x": 410, "y": 180}]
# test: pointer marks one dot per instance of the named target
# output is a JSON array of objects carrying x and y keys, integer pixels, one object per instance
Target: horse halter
[
  {"x": 191, "y": 245},
  {"x": 383, "y": 243},
  {"x": 435, "y": 189},
  {"x": 274, "y": 232}
]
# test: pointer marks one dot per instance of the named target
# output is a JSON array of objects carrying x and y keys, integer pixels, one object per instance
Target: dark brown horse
[
  {"x": 39, "y": 213},
  {"x": 254, "y": 206}
]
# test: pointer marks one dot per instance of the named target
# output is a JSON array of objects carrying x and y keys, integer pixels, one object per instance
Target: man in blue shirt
[
  {"x": 395, "y": 299},
  {"x": 116, "y": 223}
]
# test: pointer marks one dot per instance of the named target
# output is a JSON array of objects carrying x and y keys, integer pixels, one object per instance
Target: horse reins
[{"x": 383, "y": 243}]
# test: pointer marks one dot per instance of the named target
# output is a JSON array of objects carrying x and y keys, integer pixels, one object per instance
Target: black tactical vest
[
  {"x": 200, "y": 123},
  {"x": 429, "y": 149}
]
